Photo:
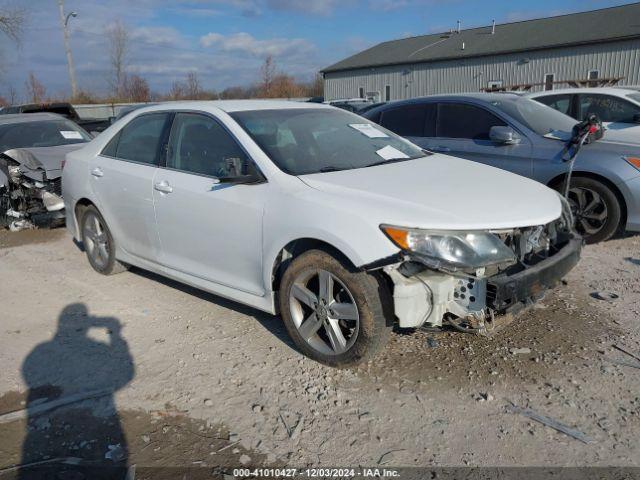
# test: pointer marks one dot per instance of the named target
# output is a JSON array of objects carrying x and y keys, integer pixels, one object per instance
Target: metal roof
[{"x": 608, "y": 24}]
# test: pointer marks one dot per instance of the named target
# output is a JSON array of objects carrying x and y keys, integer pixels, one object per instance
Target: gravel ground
[{"x": 199, "y": 380}]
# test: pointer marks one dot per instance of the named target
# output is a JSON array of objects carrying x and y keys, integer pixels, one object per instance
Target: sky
[{"x": 226, "y": 41}]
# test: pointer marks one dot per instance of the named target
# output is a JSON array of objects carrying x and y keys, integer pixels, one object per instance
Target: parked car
[
  {"x": 32, "y": 149},
  {"x": 128, "y": 109},
  {"x": 94, "y": 125},
  {"x": 617, "y": 108},
  {"x": 518, "y": 134},
  {"x": 354, "y": 105},
  {"x": 307, "y": 210}
]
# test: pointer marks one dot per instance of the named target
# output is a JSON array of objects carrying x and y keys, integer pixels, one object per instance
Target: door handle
[
  {"x": 163, "y": 187},
  {"x": 440, "y": 148},
  {"x": 97, "y": 172}
]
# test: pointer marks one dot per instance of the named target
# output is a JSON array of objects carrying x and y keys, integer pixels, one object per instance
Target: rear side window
[
  {"x": 607, "y": 108},
  {"x": 561, "y": 103},
  {"x": 410, "y": 120},
  {"x": 139, "y": 140},
  {"x": 457, "y": 120}
]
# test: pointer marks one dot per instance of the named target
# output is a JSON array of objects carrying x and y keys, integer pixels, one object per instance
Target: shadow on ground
[{"x": 67, "y": 424}]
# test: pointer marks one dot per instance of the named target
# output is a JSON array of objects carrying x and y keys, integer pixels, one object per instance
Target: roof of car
[
  {"x": 230, "y": 106},
  {"x": 616, "y": 91},
  {"x": 485, "y": 97},
  {"x": 608, "y": 24},
  {"x": 28, "y": 117}
]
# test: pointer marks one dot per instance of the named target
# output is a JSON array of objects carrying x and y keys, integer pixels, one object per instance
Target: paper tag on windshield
[
  {"x": 369, "y": 130},
  {"x": 390, "y": 153},
  {"x": 71, "y": 134}
]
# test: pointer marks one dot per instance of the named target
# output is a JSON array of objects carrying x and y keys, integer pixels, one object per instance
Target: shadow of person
[{"x": 72, "y": 417}]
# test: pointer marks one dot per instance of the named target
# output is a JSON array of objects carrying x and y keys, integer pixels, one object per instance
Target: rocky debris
[
  {"x": 115, "y": 453},
  {"x": 606, "y": 296},
  {"x": 208, "y": 402},
  {"x": 550, "y": 422},
  {"x": 520, "y": 351}
]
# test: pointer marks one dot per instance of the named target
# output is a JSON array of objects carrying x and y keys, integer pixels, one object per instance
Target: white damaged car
[{"x": 338, "y": 225}]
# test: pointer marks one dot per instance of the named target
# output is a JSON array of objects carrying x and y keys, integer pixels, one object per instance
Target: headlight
[{"x": 452, "y": 249}]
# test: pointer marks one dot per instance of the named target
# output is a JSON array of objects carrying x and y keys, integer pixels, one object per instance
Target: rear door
[
  {"x": 208, "y": 229},
  {"x": 122, "y": 179},
  {"x": 462, "y": 130},
  {"x": 617, "y": 115},
  {"x": 563, "y": 102},
  {"x": 413, "y": 121}
]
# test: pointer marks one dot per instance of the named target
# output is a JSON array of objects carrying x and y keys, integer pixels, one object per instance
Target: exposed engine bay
[
  {"x": 470, "y": 300},
  {"x": 30, "y": 195}
]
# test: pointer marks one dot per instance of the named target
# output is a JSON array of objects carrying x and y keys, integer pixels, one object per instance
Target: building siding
[{"x": 612, "y": 59}]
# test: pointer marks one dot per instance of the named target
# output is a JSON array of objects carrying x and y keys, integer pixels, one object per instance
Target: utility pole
[{"x": 65, "y": 22}]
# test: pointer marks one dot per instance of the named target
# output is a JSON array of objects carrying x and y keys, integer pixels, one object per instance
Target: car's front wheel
[
  {"x": 335, "y": 314},
  {"x": 596, "y": 209},
  {"x": 98, "y": 243}
]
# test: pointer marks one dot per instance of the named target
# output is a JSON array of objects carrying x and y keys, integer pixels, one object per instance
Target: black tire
[
  {"x": 594, "y": 231},
  {"x": 367, "y": 292},
  {"x": 104, "y": 264}
]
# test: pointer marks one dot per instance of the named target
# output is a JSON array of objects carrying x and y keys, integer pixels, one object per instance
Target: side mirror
[
  {"x": 241, "y": 172},
  {"x": 636, "y": 118},
  {"x": 504, "y": 135}
]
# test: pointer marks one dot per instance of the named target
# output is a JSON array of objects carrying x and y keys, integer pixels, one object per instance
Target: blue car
[{"x": 515, "y": 133}]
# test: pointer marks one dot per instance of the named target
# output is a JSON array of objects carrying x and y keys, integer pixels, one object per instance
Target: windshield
[
  {"x": 634, "y": 96},
  {"x": 304, "y": 141},
  {"x": 538, "y": 117},
  {"x": 46, "y": 133}
]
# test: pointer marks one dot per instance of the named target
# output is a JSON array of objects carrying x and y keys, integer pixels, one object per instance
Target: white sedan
[
  {"x": 618, "y": 108},
  {"x": 312, "y": 212}
]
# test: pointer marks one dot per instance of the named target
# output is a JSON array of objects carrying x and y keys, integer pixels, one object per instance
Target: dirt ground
[{"x": 182, "y": 378}]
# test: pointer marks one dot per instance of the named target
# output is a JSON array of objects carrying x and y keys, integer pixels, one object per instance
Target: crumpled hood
[
  {"x": 48, "y": 159},
  {"x": 440, "y": 192}
]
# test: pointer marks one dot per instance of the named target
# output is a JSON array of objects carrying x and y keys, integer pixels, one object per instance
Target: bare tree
[
  {"x": 267, "y": 74},
  {"x": 193, "y": 90},
  {"x": 136, "y": 89},
  {"x": 118, "y": 38},
  {"x": 35, "y": 90},
  {"x": 178, "y": 91},
  {"x": 12, "y": 95},
  {"x": 12, "y": 21}
]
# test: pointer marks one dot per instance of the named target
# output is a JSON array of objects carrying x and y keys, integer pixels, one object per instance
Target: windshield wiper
[
  {"x": 389, "y": 160},
  {"x": 330, "y": 168}
]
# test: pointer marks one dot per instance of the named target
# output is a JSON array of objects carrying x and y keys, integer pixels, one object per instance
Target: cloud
[
  {"x": 388, "y": 5},
  {"x": 246, "y": 44},
  {"x": 313, "y": 7}
]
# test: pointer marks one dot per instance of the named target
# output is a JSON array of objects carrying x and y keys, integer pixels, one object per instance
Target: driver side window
[{"x": 199, "y": 144}]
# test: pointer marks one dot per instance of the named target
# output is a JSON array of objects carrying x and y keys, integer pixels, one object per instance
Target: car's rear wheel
[
  {"x": 596, "y": 209},
  {"x": 98, "y": 243},
  {"x": 334, "y": 314}
]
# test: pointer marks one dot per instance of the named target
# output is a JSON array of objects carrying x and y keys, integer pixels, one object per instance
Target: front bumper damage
[
  {"x": 29, "y": 194},
  {"x": 424, "y": 296}
]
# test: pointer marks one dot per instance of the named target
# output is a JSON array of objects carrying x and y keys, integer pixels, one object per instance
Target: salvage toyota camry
[{"x": 339, "y": 225}]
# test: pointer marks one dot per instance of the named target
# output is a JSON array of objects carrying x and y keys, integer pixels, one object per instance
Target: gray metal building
[{"x": 529, "y": 55}]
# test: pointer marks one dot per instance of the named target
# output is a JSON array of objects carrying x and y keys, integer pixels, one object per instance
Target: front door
[
  {"x": 462, "y": 130},
  {"x": 208, "y": 229}
]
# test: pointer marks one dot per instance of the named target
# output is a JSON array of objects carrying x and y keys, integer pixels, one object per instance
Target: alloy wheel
[
  {"x": 589, "y": 210},
  {"x": 96, "y": 240},
  {"x": 324, "y": 312}
]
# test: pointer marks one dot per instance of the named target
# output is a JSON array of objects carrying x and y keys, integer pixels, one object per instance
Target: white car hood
[{"x": 439, "y": 192}]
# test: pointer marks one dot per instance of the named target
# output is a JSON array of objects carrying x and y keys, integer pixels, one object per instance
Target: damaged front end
[
  {"x": 517, "y": 268},
  {"x": 30, "y": 195}
]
